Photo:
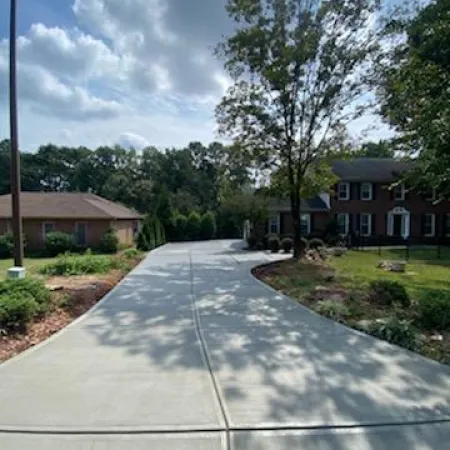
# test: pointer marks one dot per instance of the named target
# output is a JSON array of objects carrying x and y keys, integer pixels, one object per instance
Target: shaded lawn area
[
  {"x": 358, "y": 268},
  {"x": 31, "y": 264}
]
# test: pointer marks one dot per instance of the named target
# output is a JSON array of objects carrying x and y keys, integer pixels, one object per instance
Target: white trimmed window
[
  {"x": 344, "y": 190},
  {"x": 429, "y": 225},
  {"x": 305, "y": 224},
  {"x": 366, "y": 191},
  {"x": 274, "y": 224},
  {"x": 47, "y": 227},
  {"x": 365, "y": 224},
  {"x": 343, "y": 221},
  {"x": 399, "y": 192}
]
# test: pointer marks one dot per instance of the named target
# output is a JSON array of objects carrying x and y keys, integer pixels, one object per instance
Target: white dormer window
[
  {"x": 344, "y": 190},
  {"x": 399, "y": 192},
  {"x": 366, "y": 191}
]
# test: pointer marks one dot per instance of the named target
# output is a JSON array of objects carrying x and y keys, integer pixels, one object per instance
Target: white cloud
[
  {"x": 168, "y": 45},
  {"x": 69, "y": 53},
  {"x": 49, "y": 96},
  {"x": 132, "y": 140},
  {"x": 134, "y": 72}
]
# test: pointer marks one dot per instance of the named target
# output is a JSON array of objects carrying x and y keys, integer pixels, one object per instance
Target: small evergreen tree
[
  {"x": 207, "y": 226},
  {"x": 142, "y": 243},
  {"x": 179, "y": 229},
  {"x": 193, "y": 226},
  {"x": 109, "y": 242},
  {"x": 158, "y": 237}
]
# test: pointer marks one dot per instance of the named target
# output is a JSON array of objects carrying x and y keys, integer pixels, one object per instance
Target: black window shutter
[
  {"x": 350, "y": 191},
  {"x": 373, "y": 225},
  {"x": 312, "y": 222},
  {"x": 357, "y": 191},
  {"x": 350, "y": 223},
  {"x": 445, "y": 224},
  {"x": 386, "y": 216},
  {"x": 422, "y": 225},
  {"x": 374, "y": 191},
  {"x": 357, "y": 223},
  {"x": 437, "y": 224},
  {"x": 282, "y": 231}
]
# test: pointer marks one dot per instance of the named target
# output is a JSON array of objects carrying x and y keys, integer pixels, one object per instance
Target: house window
[
  {"x": 365, "y": 224},
  {"x": 447, "y": 225},
  {"x": 81, "y": 233},
  {"x": 305, "y": 224},
  {"x": 399, "y": 192},
  {"x": 343, "y": 223},
  {"x": 366, "y": 191},
  {"x": 47, "y": 227},
  {"x": 429, "y": 225},
  {"x": 274, "y": 224},
  {"x": 344, "y": 190}
]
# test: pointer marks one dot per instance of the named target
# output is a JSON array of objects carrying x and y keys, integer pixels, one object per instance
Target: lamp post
[{"x": 18, "y": 270}]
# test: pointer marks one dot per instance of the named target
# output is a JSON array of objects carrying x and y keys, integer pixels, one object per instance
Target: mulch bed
[{"x": 72, "y": 297}]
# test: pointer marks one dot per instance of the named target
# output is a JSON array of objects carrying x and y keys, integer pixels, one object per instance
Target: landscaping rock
[
  {"x": 329, "y": 276},
  {"x": 54, "y": 287},
  {"x": 392, "y": 266},
  {"x": 325, "y": 293},
  {"x": 365, "y": 324},
  {"x": 337, "y": 251}
]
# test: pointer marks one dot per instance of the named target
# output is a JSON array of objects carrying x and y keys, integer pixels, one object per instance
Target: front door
[{"x": 398, "y": 218}]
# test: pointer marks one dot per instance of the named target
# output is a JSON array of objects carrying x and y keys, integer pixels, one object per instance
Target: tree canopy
[
  {"x": 153, "y": 181},
  {"x": 299, "y": 70},
  {"x": 414, "y": 92}
]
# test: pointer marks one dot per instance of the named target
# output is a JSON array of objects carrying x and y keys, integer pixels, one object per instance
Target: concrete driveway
[{"x": 191, "y": 352}]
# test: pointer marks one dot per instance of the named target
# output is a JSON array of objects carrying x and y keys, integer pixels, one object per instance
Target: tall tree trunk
[{"x": 295, "y": 212}]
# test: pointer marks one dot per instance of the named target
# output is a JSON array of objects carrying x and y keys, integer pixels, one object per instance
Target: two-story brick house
[{"x": 368, "y": 203}]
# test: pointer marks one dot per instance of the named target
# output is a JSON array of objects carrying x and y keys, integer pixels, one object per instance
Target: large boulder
[{"x": 392, "y": 266}]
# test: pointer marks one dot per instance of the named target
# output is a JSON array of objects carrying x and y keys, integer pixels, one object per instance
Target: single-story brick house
[
  {"x": 86, "y": 216},
  {"x": 368, "y": 202}
]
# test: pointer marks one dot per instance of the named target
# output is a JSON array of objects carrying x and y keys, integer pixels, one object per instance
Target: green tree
[
  {"x": 381, "y": 149},
  {"x": 193, "y": 226},
  {"x": 415, "y": 93},
  {"x": 299, "y": 68},
  {"x": 207, "y": 226}
]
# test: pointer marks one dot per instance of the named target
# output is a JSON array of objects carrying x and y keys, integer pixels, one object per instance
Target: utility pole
[{"x": 17, "y": 271}]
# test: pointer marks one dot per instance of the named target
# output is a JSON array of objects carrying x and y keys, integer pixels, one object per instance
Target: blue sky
[{"x": 134, "y": 72}]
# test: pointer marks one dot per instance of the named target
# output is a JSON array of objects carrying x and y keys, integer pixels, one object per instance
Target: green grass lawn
[
  {"x": 359, "y": 268},
  {"x": 32, "y": 265}
]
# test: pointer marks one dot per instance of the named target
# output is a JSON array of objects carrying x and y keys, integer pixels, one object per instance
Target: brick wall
[
  {"x": 383, "y": 202},
  {"x": 33, "y": 230},
  {"x": 124, "y": 230}
]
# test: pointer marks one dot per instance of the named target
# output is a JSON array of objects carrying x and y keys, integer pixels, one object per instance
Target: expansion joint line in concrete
[{"x": 206, "y": 356}]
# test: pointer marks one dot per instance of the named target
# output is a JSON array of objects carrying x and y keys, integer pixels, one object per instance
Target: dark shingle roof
[
  {"x": 370, "y": 169},
  {"x": 310, "y": 205},
  {"x": 66, "y": 205}
]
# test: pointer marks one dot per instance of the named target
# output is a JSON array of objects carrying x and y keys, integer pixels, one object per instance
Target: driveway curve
[{"x": 191, "y": 352}]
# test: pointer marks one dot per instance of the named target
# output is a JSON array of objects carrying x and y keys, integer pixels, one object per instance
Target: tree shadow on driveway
[{"x": 277, "y": 364}]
